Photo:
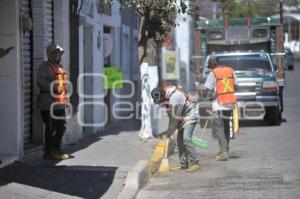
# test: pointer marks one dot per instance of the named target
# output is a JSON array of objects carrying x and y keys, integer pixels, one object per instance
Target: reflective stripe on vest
[
  {"x": 225, "y": 85},
  {"x": 61, "y": 78}
]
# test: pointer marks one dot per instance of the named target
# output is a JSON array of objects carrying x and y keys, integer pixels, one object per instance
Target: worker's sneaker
[
  {"x": 193, "y": 168},
  {"x": 179, "y": 167},
  {"x": 223, "y": 156}
]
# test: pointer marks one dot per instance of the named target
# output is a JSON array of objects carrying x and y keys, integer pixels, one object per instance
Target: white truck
[{"x": 255, "y": 50}]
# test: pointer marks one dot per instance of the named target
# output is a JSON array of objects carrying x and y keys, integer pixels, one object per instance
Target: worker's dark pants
[
  {"x": 221, "y": 128},
  {"x": 55, "y": 128}
]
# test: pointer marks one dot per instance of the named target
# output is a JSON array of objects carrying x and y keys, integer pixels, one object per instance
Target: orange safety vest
[
  {"x": 225, "y": 85},
  {"x": 61, "y": 78}
]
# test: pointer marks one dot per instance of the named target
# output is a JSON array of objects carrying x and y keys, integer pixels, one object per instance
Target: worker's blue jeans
[{"x": 186, "y": 150}]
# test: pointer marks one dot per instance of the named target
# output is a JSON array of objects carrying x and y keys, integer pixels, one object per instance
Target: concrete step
[{"x": 33, "y": 153}]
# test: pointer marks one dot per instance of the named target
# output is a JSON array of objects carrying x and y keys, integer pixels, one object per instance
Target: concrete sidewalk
[{"x": 98, "y": 170}]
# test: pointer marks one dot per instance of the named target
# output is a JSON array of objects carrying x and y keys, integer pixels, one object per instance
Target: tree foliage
[
  {"x": 292, "y": 2},
  {"x": 252, "y": 8},
  {"x": 235, "y": 10},
  {"x": 156, "y": 19}
]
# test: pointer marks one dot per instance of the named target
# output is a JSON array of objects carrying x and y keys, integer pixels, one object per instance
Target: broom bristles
[{"x": 164, "y": 166}]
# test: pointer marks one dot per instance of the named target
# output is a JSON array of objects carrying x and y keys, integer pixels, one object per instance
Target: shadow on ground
[
  {"x": 80, "y": 181},
  {"x": 116, "y": 127},
  {"x": 255, "y": 123},
  {"x": 113, "y": 128}
]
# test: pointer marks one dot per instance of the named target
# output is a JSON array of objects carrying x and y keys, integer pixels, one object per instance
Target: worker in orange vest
[
  {"x": 53, "y": 101},
  {"x": 221, "y": 81}
]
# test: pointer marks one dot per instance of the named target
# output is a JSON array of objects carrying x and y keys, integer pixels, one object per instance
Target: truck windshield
[{"x": 246, "y": 62}]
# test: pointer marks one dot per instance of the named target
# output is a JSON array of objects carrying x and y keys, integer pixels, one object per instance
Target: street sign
[{"x": 170, "y": 64}]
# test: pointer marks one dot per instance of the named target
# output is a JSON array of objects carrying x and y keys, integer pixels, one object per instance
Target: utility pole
[{"x": 281, "y": 11}]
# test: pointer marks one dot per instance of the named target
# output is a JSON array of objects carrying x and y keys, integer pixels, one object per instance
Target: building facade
[{"x": 93, "y": 35}]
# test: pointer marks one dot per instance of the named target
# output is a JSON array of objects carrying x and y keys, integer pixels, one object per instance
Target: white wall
[
  {"x": 11, "y": 142},
  {"x": 99, "y": 109},
  {"x": 118, "y": 57},
  {"x": 62, "y": 37},
  {"x": 114, "y": 21},
  {"x": 97, "y": 22},
  {"x": 183, "y": 35}
]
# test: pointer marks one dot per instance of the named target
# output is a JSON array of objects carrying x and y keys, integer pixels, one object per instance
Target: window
[
  {"x": 246, "y": 62},
  {"x": 259, "y": 33},
  {"x": 256, "y": 62},
  {"x": 216, "y": 35}
]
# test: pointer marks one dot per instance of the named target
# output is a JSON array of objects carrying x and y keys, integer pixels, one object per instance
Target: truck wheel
[
  {"x": 291, "y": 67},
  {"x": 273, "y": 115}
]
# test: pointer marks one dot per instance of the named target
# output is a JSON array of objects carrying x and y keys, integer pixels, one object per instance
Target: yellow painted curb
[
  {"x": 157, "y": 156},
  {"x": 143, "y": 170}
]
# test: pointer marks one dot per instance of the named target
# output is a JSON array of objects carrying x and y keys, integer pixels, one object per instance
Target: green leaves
[{"x": 160, "y": 14}]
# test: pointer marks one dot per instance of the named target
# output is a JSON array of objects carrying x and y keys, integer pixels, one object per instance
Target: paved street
[{"x": 264, "y": 161}]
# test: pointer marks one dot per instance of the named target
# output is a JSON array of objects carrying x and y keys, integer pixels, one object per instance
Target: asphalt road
[{"x": 264, "y": 161}]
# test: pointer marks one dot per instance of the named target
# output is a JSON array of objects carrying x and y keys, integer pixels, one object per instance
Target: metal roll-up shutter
[
  {"x": 49, "y": 21},
  {"x": 27, "y": 71}
]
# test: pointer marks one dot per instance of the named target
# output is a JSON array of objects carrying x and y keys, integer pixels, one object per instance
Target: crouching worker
[{"x": 183, "y": 115}]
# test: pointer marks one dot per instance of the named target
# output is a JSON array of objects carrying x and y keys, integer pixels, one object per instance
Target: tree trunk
[{"x": 148, "y": 58}]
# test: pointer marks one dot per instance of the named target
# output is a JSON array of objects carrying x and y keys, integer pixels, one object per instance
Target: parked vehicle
[
  {"x": 257, "y": 89},
  {"x": 247, "y": 44}
]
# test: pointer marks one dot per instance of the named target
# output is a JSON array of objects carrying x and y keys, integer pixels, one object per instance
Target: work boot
[
  {"x": 193, "y": 168},
  {"x": 51, "y": 155},
  {"x": 222, "y": 156},
  {"x": 61, "y": 154},
  {"x": 179, "y": 167}
]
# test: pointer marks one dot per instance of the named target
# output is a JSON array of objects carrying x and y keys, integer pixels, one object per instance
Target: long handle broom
[
  {"x": 164, "y": 166},
  {"x": 199, "y": 142}
]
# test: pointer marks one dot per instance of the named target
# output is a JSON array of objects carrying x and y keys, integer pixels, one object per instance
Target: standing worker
[
  {"x": 53, "y": 101},
  {"x": 183, "y": 115},
  {"x": 221, "y": 81}
]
